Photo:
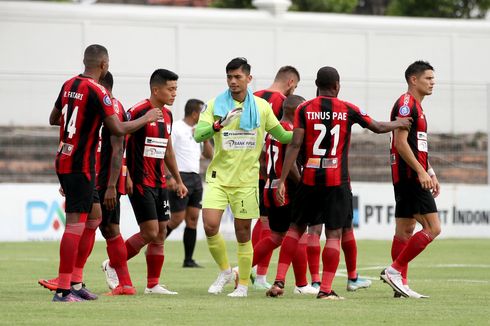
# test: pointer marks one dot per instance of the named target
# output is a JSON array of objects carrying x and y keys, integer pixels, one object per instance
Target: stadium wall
[
  {"x": 42, "y": 46},
  {"x": 34, "y": 212}
]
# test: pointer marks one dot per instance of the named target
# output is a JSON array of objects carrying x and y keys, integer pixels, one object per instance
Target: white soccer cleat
[
  {"x": 307, "y": 289},
  {"x": 394, "y": 279},
  {"x": 413, "y": 294},
  {"x": 159, "y": 289},
  {"x": 110, "y": 275},
  {"x": 241, "y": 291},
  {"x": 261, "y": 285},
  {"x": 224, "y": 278}
]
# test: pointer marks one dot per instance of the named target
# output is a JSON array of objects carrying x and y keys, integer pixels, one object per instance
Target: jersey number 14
[{"x": 70, "y": 126}]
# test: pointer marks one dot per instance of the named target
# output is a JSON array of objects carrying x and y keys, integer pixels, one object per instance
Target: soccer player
[
  {"x": 280, "y": 214},
  {"x": 414, "y": 180},
  {"x": 80, "y": 109},
  {"x": 112, "y": 182},
  {"x": 237, "y": 120},
  {"x": 188, "y": 155},
  {"x": 285, "y": 82},
  {"x": 148, "y": 150},
  {"x": 322, "y": 129}
]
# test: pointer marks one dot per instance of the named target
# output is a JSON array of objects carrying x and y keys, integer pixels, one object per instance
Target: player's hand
[
  {"x": 110, "y": 198},
  {"x": 436, "y": 189},
  {"x": 425, "y": 180},
  {"x": 405, "y": 123},
  {"x": 281, "y": 191},
  {"x": 181, "y": 190},
  {"x": 62, "y": 193},
  {"x": 227, "y": 119},
  {"x": 154, "y": 114},
  {"x": 171, "y": 184},
  {"x": 129, "y": 186}
]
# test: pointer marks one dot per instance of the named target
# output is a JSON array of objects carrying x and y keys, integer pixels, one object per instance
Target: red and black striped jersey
[
  {"x": 275, "y": 99},
  {"x": 84, "y": 104},
  {"x": 327, "y": 123},
  {"x": 408, "y": 106},
  {"x": 104, "y": 155},
  {"x": 275, "y": 152},
  {"x": 147, "y": 146}
]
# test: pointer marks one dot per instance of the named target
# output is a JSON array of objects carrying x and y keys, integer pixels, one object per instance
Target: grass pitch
[{"x": 455, "y": 273}]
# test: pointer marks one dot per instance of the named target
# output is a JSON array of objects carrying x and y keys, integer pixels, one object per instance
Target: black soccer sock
[
  {"x": 189, "y": 242},
  {"x": 169, "y": 230}
]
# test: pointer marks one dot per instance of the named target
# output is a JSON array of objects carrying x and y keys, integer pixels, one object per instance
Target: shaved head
[
  {"x": 290, "y": 104},
  {"x": 94, "y": 55}
]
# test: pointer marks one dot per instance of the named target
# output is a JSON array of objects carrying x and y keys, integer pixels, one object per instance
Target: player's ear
[{"x": 249, "y": 78}]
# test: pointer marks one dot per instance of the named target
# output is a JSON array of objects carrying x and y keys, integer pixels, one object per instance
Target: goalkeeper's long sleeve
[
  {"x": 282, "y": 135},
  {"x": 203, "y": 131}
]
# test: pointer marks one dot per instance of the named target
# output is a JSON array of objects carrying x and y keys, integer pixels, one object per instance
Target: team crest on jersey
[
  {"x": 107, "y": 100},
  {"x": 404, "y": 111},
  {"x": 363, "y": 112}
]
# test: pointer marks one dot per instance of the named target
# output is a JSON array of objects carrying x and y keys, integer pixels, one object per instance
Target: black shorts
[
  {"x": 280, "y": 218},
  {"x": 331, "y": 206},
  {"x": 193, "y": 183},
  {"x": 150, "y": 203},
  {"x": 110, "y": 217},
  {"x": 412, "y": 199},
  {"x": 80, "y": 192},
  {"x": 264, "y": 211}
]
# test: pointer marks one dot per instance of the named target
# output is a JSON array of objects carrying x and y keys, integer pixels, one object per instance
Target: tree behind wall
[
  {"x": 439, "y": 8},
  {"x": 342, "y": 6}
]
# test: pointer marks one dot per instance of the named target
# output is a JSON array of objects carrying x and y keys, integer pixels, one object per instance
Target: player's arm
[
  {"x": 119, "y": 128},
  {"x": 381, "y": 127},
  {"x": 262, "y": 162},
  {"x": 129, "y": 183},
  {"x": 54, "y": 117},
  {"x": 171, "y": 164},
  {"x": 403, "y": 148},
  {"x": 436, "y": 189},
  {"x": 207, "y": 149},
  {"x": 294, "y": 174},
  {"x": 290, "y": 159},
  {"x": 281, "y": 134},
  {"x": 110, "y": 197}
]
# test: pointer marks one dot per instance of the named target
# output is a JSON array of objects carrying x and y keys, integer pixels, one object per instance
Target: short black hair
[
  {"x": 107, "y": 81},
  {"x": 192, "y": 106},
  {"x": 286, "y": 70},
  {"x": 161, "y": 76},
  {"x": 292, "y": 101},
  {"x": 239, "y": 63},
  {"x": 327, "y": 78},
  {"x": 93, "y": 55},
  {"x": 417, "y": 68}
]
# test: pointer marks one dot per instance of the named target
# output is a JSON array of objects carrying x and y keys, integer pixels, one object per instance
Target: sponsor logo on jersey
[
  {"x": 107, "y": 100},
  {"x": 404, "y": 111}
]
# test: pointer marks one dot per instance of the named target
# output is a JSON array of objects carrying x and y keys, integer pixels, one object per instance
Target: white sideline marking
[
  {"x": 468, "y": 281},
  {"x": 461, "y": 266},
  {"x": 23, "y": 259}
]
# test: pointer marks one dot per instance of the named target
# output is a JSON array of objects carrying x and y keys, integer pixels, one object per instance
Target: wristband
[
  {"x": 431, "y": 172},
  {"x": 217, "y": 125}
]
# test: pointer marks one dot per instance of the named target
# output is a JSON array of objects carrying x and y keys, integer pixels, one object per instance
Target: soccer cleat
[
  {"x": 240, "y": 292},
  {"x": 276, "y": 290},
  {"x": 51, "y": 284},
  {"x": 359, "y": 283},
  {"x": 191, "y": 263},
  {"x": 71, "y": 297},
  {"x": 122, "y": 290},
  {"x": 307, "y": 289},
  {"x": 159, "y": 289},
  {"x": 84, "y": 293},
  {"x": 262, "y": 285},
  {"x": 413, "y": 294},
  {"x": 394, "y": 279},
  {"x": 316, "y": 285},
  {"x": 224, "y": 278},
  {"x": 110, "y": 275},
  {"x": 329, "y": 296}
]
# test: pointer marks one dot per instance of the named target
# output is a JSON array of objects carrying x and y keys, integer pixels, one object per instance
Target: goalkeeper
[{"x": 237, "y": 120}]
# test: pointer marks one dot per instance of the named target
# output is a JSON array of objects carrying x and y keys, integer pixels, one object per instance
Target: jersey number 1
[
  {"x": 335, "y": 132},
  {"x": 70, "y": 126}
]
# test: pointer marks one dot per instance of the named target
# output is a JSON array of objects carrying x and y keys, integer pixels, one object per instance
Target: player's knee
[
  {"x": 210, "y": 229},
  {"x": 435, "y": 231},
  {"x": 150, "y": 235},
  {"x": 108, "y": 231}
]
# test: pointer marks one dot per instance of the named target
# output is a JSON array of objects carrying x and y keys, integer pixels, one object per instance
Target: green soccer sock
[
  {"x": 245, "y": 255},
  {"x": 217, "y": 248}
]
